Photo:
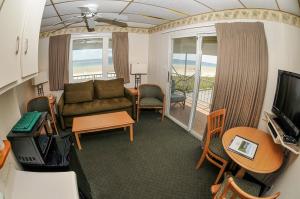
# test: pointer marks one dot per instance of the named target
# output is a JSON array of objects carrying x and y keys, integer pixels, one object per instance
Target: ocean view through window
[
  {"x": 184, "y": 64},
  {"x": 91, "y": 58}
]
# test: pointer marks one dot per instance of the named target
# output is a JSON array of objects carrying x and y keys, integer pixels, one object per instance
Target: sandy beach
[{"x": 206, "y": 71}]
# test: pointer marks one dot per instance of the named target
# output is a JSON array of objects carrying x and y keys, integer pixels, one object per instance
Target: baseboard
[{"x": 196, "y": 135}]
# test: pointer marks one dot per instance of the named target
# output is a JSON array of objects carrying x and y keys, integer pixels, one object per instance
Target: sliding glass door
[
  {"x": 208, "y": 66},
  {"x": 191, "y": 81},
  {"x": 183, "y": 70}
]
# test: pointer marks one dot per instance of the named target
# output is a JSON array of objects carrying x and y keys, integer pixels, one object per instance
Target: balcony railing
[
  {"x": 110, "y": 75},
  {"x": 185, "y": 84},
  {"x": 204, "y": 95}
]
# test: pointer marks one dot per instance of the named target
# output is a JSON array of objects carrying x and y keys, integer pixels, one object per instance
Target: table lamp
[
  {"x": 39, "y": 80},
  {"x": 138, "y": 69}
]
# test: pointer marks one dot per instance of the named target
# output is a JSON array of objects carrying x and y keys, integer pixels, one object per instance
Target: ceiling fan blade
[
  {"x": 69, "y": 19},
  {"x": 65, "y": 26},
  {"x": 85, "y": 10},
  {"x": 112, "y": 22}
]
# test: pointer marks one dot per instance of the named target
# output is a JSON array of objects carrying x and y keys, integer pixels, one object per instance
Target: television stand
[{"x": 278, "y": 134}]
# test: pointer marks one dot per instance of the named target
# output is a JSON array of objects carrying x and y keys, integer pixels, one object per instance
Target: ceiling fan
[{"x": 89, "y": 16}]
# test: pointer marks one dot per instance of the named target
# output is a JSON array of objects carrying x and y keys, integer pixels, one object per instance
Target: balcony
[{"x": 185, "y": 84}]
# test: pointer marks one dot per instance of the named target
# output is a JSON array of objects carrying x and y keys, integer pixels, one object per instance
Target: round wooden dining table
[{"x": 268, "y": 157}]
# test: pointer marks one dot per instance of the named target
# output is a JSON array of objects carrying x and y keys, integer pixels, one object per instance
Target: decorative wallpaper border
[
  {"x": 97, "y": 29},
  {"x": 257, "y": 14}
]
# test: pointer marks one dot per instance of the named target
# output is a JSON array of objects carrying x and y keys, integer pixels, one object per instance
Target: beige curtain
[
  {"x": 59, "y": 61},
  {"x": 242, "y": 69},
  {"x": 120, "y": 55}
]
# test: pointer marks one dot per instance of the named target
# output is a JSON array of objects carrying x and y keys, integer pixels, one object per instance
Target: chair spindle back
[
  {"x": 231, "y": 188},
  {"x": 215, "y": 122}
]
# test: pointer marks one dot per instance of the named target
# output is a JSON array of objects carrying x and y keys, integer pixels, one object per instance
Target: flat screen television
[{"x": 286, "y": 104}]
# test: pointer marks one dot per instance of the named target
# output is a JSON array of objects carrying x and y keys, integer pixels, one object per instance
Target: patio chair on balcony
[{"x": 177, "y": 96}]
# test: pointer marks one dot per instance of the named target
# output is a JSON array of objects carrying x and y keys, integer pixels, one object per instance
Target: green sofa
[{"x": 94, "y": 97}]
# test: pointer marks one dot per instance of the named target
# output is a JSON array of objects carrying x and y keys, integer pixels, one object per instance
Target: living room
[{"x": 146, "y": 99}]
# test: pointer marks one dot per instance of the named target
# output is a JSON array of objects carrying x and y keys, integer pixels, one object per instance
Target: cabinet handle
[
  {"x": 26, "y": 42},
  {"x": 17, "y": 45}
]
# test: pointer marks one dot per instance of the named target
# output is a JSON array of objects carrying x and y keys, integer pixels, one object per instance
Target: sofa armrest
[
  {"x": 132, "y": 98},
  {"x": 60, "y": 106}
]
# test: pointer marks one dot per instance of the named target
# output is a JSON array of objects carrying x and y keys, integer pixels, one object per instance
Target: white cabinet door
[
  {"x": 11, "y": 25},
  {"x": 29, "y": 55}
]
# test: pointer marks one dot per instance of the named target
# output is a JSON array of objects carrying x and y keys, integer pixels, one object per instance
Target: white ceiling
[{"x": 149, "y": 13}]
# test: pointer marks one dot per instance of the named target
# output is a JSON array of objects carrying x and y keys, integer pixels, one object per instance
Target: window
[{"x": 91, "y": 58}]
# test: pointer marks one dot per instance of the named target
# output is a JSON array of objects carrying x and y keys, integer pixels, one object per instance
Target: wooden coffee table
[{"x": 101, "y": 122}]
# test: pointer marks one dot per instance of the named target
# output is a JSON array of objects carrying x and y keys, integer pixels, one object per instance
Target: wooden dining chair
[
  {"x": 236, "y": 188},
  {"x": 213, "y": 148}
]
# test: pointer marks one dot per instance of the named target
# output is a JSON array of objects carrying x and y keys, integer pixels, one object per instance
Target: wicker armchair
[{"x": 177, "y": 96}]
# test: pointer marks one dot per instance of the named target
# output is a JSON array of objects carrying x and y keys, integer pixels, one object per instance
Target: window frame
[{"x": 105, "y": 54}]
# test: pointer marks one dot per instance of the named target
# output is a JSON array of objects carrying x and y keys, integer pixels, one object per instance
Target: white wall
[
  {"x": 12, "y": 104},
  {"x": 138, "y": 52},
  {"x": 158, "y": 59},
  {"x": 25, "y": 92},
  {"x": 9, "y": 115},
  {"x": 283, "y": 47}
]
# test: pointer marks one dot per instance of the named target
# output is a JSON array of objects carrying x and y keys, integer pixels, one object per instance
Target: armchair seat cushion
[
  {"x": 216, "y": 146},
  {"x": 150, "y": 102},
  {"x": 96, "y": 106}
]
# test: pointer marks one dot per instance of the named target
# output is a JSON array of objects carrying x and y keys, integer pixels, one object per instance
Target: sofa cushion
[
  {"x": 96, "y": 106},
  {"x": 109, "y": 88},
  {"x": 79, "y": 92}
]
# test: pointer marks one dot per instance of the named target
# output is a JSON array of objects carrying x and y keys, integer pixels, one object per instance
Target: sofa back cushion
[
  {"x": 109, "y": 88},
  {"x": 79, "y": 92}
]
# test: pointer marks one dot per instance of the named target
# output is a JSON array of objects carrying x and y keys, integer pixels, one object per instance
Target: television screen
[{"x": 287, "y": 102}]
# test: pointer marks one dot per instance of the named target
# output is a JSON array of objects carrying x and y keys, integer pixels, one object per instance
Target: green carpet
[{"x": 159, "y": 164}]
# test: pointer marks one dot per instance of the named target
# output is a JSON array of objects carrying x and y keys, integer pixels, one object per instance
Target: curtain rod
[{"x": 207, "y": 26}]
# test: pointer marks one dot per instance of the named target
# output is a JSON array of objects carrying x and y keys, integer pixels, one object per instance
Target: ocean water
[
  {"x": 98, "y": 62},
  {"x": 90, "y": 62},
  {"x": 94, "y": 66},
  {"x": 191, "y": 63}
]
